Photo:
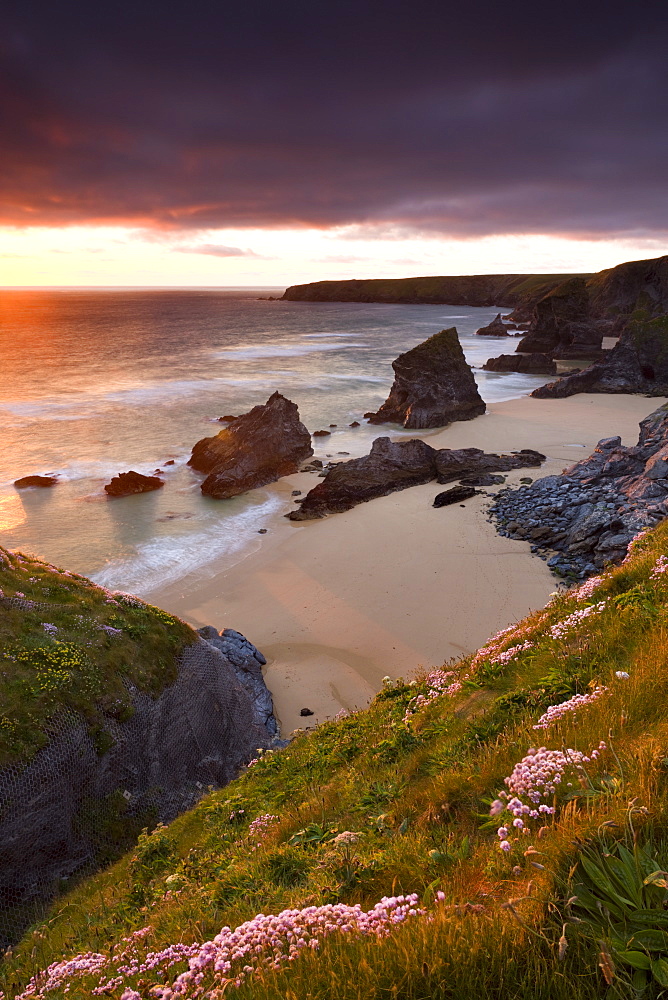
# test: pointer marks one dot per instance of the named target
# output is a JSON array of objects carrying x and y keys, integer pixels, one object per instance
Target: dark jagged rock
[
  {"x": 125, "y": 484},
  {"x": 390, "y": 466},
  {"x": 455, "y": 495},
  {"x": 638, "y": 363},
  {"x": 585, "y": 518},
  {"x": 433, "y": 385},
  {"x": 321, "y": 434},
  {"x": 258, "y": 448},
  {"x": 355, "y": 423},
  {"x": 26, "y": 481},
  {"x": 637, "y": 284},
  {"x": 527, "y": 364},
  {"x": 396, "y": 465},
  {"x": 496, "y": 328},
  {"x": 453, "y": 463},
  {"x": 556, "y": 318},
  {"x": 486, "y": 479},
  {"x": 247, "y": 663},
  {"x": 227, "y": 419}
]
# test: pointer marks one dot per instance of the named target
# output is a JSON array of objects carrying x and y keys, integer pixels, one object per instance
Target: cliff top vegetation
[{"x": 67, "y": 644}]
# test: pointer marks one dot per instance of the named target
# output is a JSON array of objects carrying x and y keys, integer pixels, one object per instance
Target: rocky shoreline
[{"x": 584, "y": 519}]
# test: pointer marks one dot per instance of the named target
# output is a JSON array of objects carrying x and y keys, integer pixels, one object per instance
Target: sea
[{"x": 94, "y": 382}]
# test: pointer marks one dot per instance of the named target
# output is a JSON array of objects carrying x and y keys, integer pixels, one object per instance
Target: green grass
[
  {"x": 74, "y": 665},
  {"x": 415, "y": 794}
]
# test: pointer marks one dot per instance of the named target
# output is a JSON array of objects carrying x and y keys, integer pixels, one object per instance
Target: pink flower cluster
[
  {"x": 260, "y": 827},
  {"x": 233, "y": 955},
  {"x": 555, "y": 712},
  {"x": 660, "y": 567},
  {"x": 633, "y": 545},
  {"x": 562, "y": 628},
  {"x": 496, "y": 650},
  {"x": 440, "y": 684},
  {"x": 537, "y": 776},
  {"x": 586, "y": 589}
]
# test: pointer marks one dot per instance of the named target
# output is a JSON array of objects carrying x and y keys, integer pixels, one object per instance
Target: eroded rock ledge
[{"x": 396, "y": 465}]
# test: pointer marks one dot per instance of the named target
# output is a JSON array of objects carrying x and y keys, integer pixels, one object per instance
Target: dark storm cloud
[{"x": 459, "y": 118}]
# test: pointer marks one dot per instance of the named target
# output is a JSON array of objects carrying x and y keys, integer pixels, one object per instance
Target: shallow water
[{"x": 93, "y": 383}]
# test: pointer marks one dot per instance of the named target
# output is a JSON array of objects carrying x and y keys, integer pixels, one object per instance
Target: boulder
[
  {"x": 455, "y": 495},
  {"x": 637, "y": 363},
  {"x": 554, "y": 315},
  {"x": 433, "y": 385},
  {"x": 258, "y": 448},
  {"x": 496, "y": 328},
  {"x": 26, "y": 481},
  {"x": 396, "y": 465},
  {"x": 527, "y": 364},
  {"x": 125, "y": 484}
]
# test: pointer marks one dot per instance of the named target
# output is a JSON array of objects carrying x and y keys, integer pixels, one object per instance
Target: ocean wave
[
  {"x": 168, "y": 558},
  {"x": 254, "y": 351}
]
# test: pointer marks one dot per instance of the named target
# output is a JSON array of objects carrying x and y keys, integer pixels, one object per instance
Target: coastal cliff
[
  {"x": 113, "y": 716},
  {"x": 493, "y": 828}
]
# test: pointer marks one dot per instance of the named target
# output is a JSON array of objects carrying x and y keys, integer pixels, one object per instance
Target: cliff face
[
  {"x": 103, "y": 762},
  {"x": 637, "y": 284},
  {"x": 511, "y": 290}
]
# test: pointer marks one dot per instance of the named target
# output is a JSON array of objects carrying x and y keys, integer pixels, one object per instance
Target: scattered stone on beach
[
  {"x": 637, "y": 363},
  {"x": 126, "y": 484},
  {"x": 333, "y": 425},
  {"x": 484, "y": 480},
  {"x": 526, "y": 364},
  {"x": 496, "y": 328},
  {"x": 258, "y": 448},
  {"x": 433, "y": 385},
  {"x": 355, "y": 423},
  {"x": 169, "y": 462},
  {"x": 343, "y": 453},
  {"x": 26, "y": 481},
  {"x": 585, "y": 518},
  {"x": 296, "y": 493},
  {"x": 306, "y": 711},
  {"x": 262, "y": 531},
  {"x": 455, "y": 495},
  {"x": 321, "y": 434},
  {"x": 397, "y": 465}
]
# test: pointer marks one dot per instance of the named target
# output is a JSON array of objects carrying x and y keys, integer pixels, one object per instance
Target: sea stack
[
  {"x": 258, "y": 448},
  {"x": 433, "y": 386}
]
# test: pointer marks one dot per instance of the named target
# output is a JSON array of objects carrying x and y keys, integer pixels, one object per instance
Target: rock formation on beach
[
  {"x": 496, "y": 328},
  {"x": 590, "y": 513},
  {"x": 258, "y": 448},
  {"x": 638, "y": 363},
  {"x": 125, "y": 484},
  {"x": 527, "y": 364},
  {"x": 396, "y": 465},
  {"x": 26, "y": 481},
  {"x": 433, "y": 385}
]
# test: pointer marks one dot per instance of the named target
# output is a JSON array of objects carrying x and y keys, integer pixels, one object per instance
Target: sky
[{"x": 275, "y": 141}]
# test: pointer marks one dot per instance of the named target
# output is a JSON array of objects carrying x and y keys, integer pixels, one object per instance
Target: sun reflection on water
[{"x": 12, "y": 512}]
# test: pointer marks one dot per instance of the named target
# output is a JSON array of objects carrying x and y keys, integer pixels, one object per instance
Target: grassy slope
[
  {"x": 73, "y": 663},
  {"x": 418, "y": 793}
]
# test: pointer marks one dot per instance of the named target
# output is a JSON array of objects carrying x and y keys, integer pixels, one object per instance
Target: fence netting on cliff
[{"x": 87, "y": 794}]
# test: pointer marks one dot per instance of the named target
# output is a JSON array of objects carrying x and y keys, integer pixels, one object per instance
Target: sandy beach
[{"x": 395, "y": 584}]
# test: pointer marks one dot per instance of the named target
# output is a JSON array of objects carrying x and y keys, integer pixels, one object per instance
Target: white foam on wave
[
  {"x": 165, "y": 559},
  {"x": 253, "y": 351}
]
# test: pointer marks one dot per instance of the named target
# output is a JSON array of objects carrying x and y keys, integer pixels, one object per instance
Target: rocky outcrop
[
  {"x": 396, "y": 465},
  {"x": 638, "y": 363},
  {"x": 125, "y": 484},
  {"x": 247, "y": 663},
  {"x": 620, "y": 291},
  {"x": 455, "y": 495},
  {"x": 27, "y": 481},
  {"x": 585, "y": 518},
  {"x": 561, "y": 322},
  {"x": 257, "y": 448},
  {"x": 66, "y": 811},
  {"x": 433, "y": 385},
  {"x": 496, "y": 328},
  {"x": 526, "y": 364}
]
